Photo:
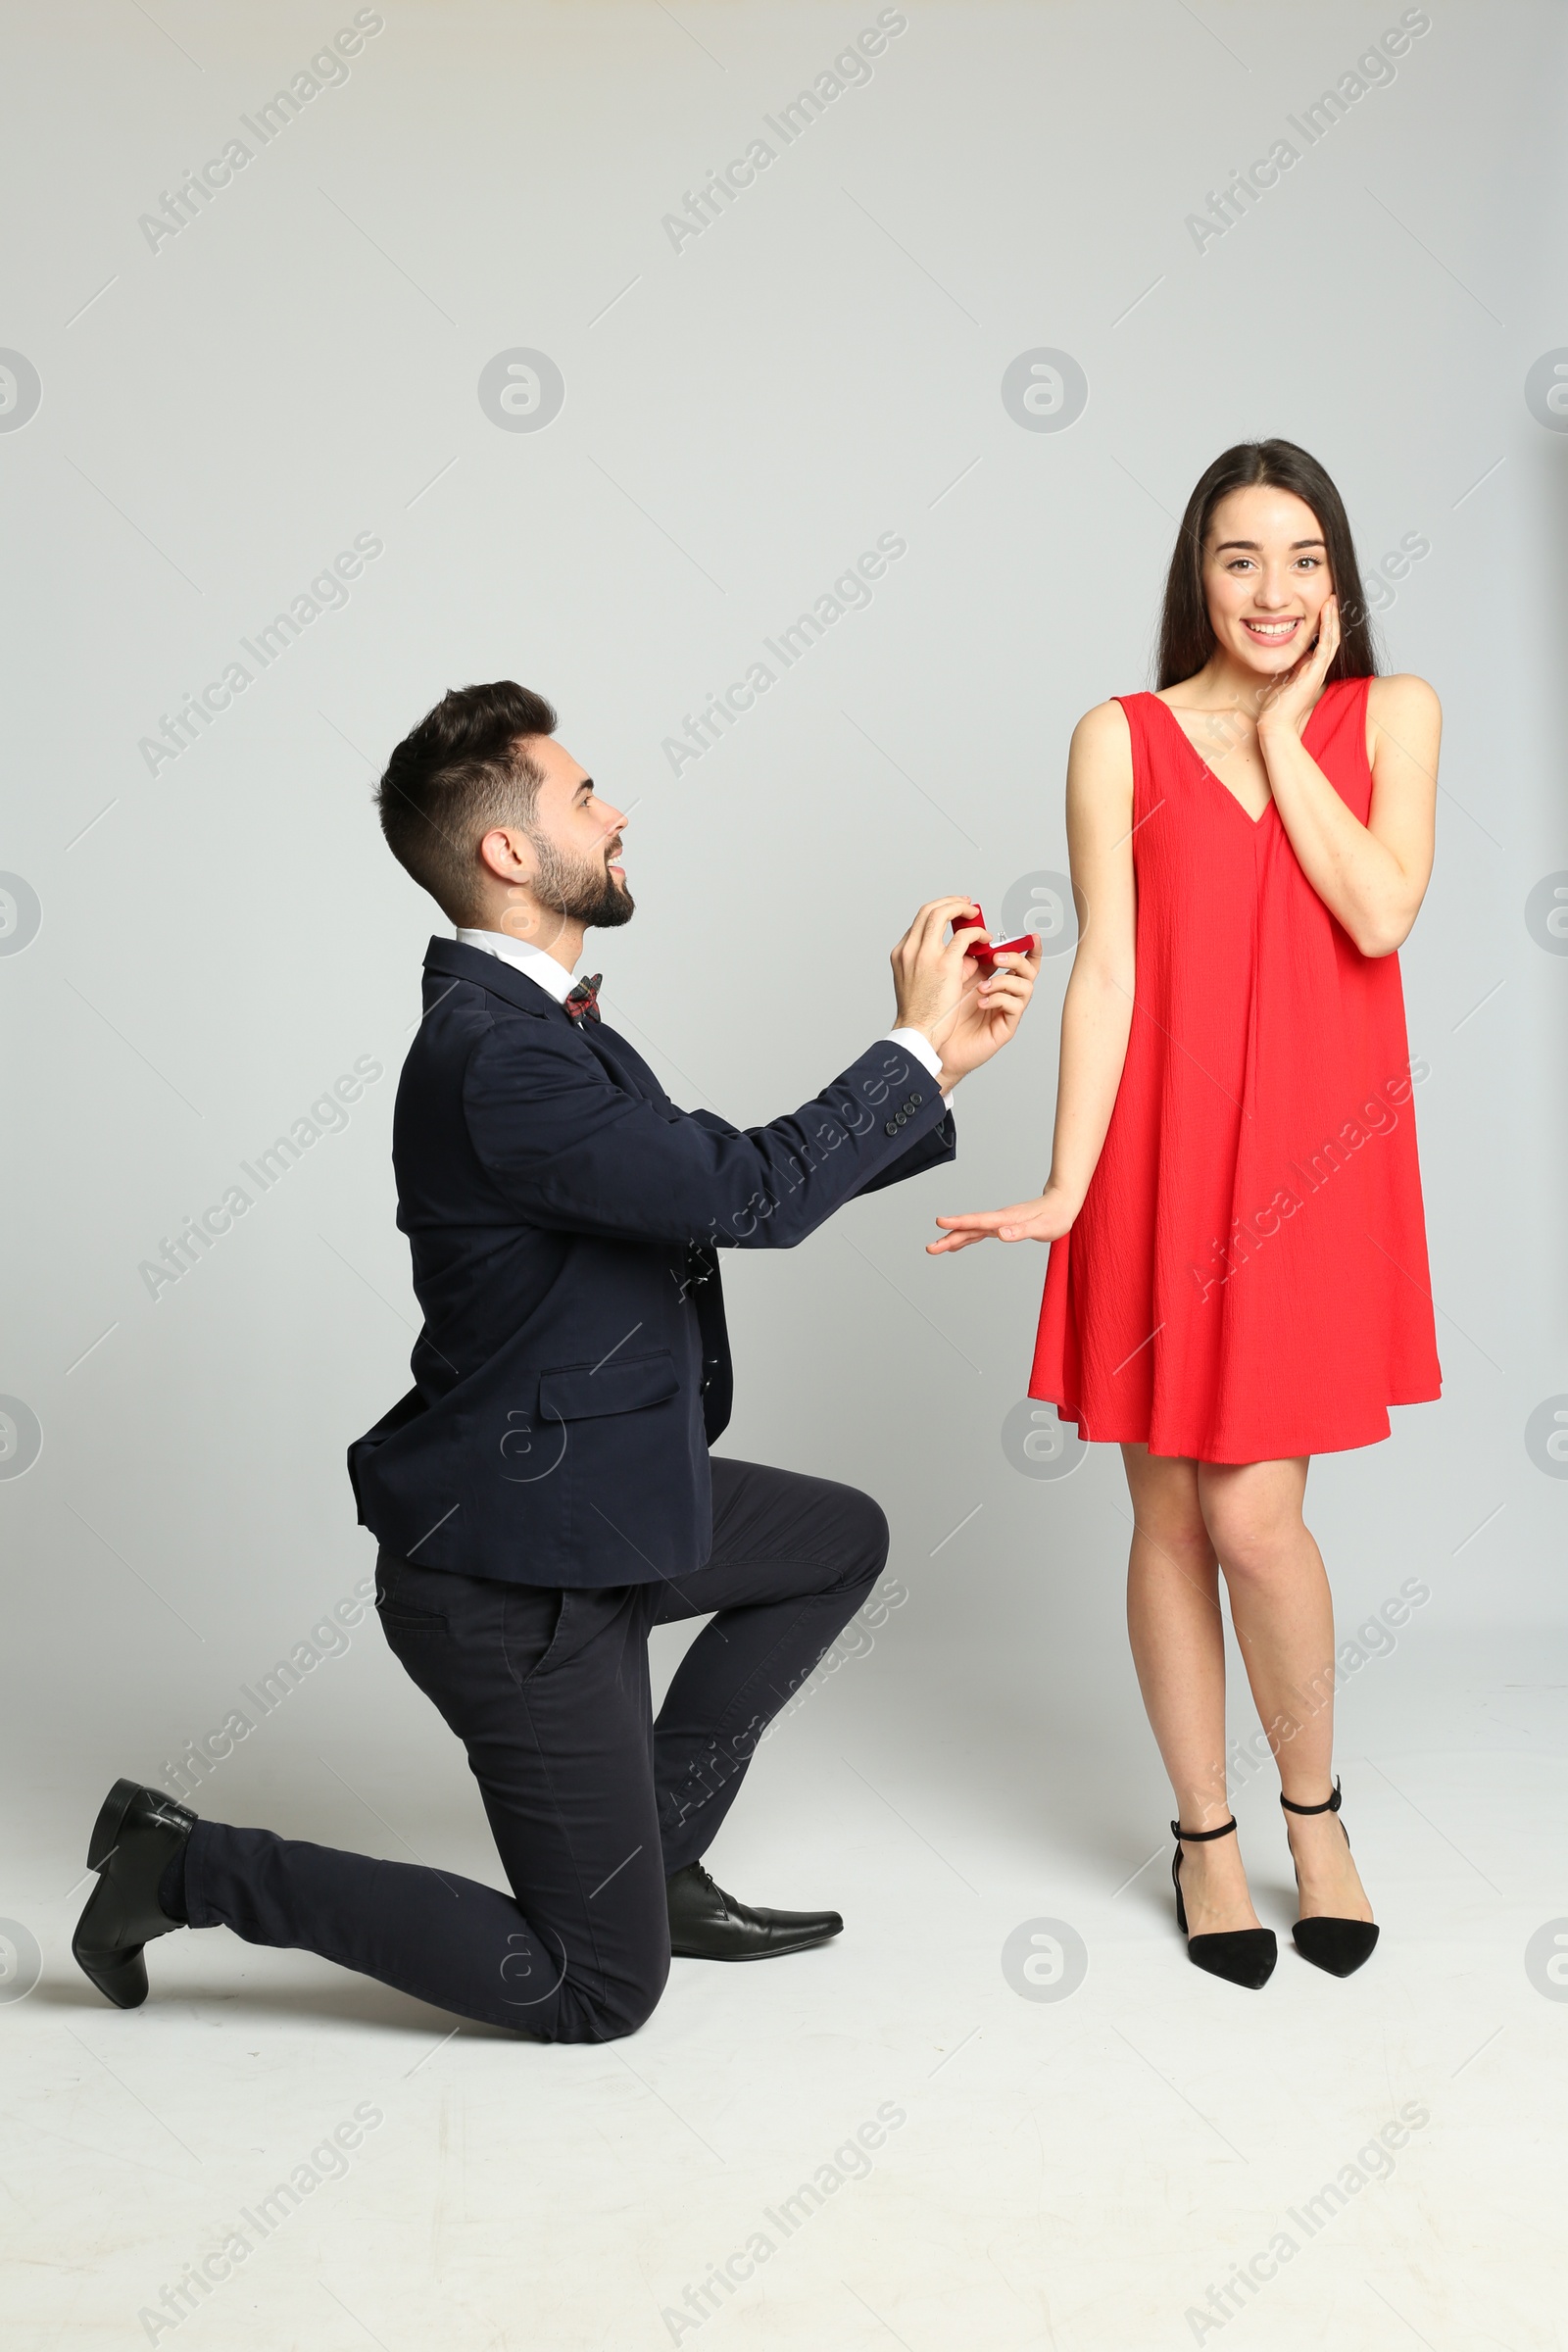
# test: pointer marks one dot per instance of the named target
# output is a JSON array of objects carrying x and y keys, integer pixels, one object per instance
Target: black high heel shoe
[
  {"x": 1341, "y": 1946},
  {"x": 1244, "y": 1957}
]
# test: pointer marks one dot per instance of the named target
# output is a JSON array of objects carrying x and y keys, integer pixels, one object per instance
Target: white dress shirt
[
  {"x": 558, "y": 982},
  {"x": 542, "y": 969}
]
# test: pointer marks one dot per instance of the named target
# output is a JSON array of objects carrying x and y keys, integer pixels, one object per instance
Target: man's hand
[
  {"x": 929, "y": 972},
  {"x": 941, "y": 993},
  {"x": 988, "y": 1016}
]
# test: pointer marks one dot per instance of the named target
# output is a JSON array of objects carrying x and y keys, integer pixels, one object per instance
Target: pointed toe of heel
[
  {"x": 1244, "y": 1957},
  {"x": 1339, "y": 1945}
]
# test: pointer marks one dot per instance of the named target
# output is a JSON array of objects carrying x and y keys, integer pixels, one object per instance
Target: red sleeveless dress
[{"x": 1247, "y": 1279}]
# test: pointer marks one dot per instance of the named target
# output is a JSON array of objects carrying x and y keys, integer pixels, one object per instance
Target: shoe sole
[
  {"x": 110, "y": 1822},
  {"x": 777, "y": 1952}
]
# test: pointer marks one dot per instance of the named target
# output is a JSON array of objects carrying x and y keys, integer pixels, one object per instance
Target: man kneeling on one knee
[{"x": 544, "y": 1494}]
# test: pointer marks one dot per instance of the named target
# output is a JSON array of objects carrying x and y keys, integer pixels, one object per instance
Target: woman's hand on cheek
[{"x": 1292, "y": 700}]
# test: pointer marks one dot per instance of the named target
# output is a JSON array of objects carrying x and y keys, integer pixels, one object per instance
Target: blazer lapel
[{"x": 450, "y": 959}]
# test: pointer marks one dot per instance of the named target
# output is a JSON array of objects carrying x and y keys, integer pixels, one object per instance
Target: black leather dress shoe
[
  {"x": 139, "y": 1833},
  {"x": 707, "y": 1923}
]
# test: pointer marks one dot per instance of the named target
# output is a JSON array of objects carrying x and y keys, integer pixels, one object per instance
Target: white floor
[{"x": 1078, "y": 2171}]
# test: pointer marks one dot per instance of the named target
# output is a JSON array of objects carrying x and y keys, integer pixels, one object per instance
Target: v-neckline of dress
[{"x": 1218, "y": 781}]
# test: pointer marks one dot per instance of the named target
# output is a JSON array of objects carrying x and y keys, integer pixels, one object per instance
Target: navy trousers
[{"x": 591, "y": 1802}]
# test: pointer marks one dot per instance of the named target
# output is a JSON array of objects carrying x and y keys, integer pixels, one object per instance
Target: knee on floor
[
  {"x": 623, "y": 2007},
  {"x": 868, "y": 1536}
]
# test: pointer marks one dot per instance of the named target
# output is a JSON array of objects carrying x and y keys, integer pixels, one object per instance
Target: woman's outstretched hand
[{"x": 1043, "y": 1219}]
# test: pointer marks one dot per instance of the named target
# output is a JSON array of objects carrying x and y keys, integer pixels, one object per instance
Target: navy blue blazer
[{"x": 565, "y": 1219}]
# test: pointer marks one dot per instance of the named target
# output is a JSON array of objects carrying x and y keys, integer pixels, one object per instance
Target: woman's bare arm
[
  {"x": 1371, "y": 877},
  {"x": 1096, "y": 1012}
]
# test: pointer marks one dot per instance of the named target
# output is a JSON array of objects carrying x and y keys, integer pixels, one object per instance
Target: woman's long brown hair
[{"x": 1185, "y": 638}]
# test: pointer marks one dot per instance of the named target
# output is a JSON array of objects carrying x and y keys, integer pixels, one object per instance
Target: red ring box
[{"x": 985, "y": 953}]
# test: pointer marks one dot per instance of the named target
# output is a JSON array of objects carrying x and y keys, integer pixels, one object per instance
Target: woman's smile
[{"x": 1272, "y": 632}]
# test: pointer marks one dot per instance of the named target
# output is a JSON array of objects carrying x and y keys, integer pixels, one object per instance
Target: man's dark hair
[{"x": 462, "y": 771}]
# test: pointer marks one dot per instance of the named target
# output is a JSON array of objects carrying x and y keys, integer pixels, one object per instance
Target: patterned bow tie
[{"x": 582, "y": 1004}]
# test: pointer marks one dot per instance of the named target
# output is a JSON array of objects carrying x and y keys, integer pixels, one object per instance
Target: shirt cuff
[{"x": 916, "y": 1042}]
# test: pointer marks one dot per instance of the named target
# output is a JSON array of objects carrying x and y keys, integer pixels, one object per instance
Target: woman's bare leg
[
  {"x": 1284, "y": 1618},
  {"x": 1178, "y": 1642}
]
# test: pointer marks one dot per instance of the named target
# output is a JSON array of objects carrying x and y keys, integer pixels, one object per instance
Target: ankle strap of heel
[
  {"x": 1329, "y": 1804},
  {"x": 1201, "y": 1836}
]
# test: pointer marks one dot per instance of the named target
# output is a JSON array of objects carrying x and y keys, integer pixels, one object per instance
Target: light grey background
[{"x": 742, "y": 417}]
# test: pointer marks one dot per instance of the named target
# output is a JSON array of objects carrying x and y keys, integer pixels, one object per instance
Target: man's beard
[{"x": 583, "y": 890}]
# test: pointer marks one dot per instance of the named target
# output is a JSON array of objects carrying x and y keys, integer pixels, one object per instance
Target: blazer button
[
  {"x": 903, "y": 1119},
  {"x": 891, "y": 1128}
]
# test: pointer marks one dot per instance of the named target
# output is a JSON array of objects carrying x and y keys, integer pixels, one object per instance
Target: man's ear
[{"x": 505, "y": 852}]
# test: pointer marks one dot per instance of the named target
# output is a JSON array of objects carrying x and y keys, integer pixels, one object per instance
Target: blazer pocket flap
[{"x": 615, "y": 1387}]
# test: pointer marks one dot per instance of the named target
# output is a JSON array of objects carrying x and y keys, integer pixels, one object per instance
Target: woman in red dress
[{"x": 1238, "y": 1271}]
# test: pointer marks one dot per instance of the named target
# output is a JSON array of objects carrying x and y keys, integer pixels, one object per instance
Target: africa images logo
[{"x": 20, "y": 391}]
